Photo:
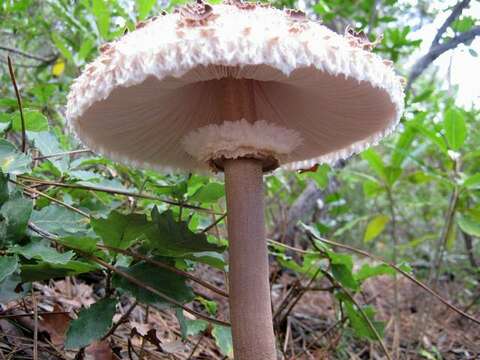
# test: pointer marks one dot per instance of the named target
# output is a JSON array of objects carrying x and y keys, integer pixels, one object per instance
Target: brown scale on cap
[
  {"x": 105, "y": 47},
  {"x": 196, "y": 14},
  {"x": 243, "y": 5},
  {"x": 360, "y": 40},
  {"x": 296, "y": 15}
]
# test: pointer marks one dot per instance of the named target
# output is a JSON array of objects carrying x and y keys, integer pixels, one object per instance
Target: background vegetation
[{"x": 108, "y": 261}]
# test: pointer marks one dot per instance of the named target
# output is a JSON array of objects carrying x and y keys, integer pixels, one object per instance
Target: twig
[
  {"x": 19, "y": 101},
  {"x": 35, "y": 326},
  {"x": 62, "y": 154},
  {"x": 393, "y": 266},
  {"x": 113, "y": 191},
  {"x": 35, "y": 191},
  {"x": 362, "y": 313},
  {"x": 40, "y": 313},
  {"x": 457, "y": 10},
  {"x": 122, "y": 319},
  {"x": 130, "y": 278},
  {"x": 154, "y": 291},
  {"x": 165, "y": 266},
  {"x": 215, "y": 223},
  {"x": 276, "y": 243},
  {"x": 27, "y": 55},
  {"x": 196, "y": 346},
  {"x": 420, "y": 66}
]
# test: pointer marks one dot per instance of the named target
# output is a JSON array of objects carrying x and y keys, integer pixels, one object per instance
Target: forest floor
[{"x": 309, "y": 331}]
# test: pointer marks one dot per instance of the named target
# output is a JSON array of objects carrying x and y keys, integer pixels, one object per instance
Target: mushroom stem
[{"x": 249, "y": 290}]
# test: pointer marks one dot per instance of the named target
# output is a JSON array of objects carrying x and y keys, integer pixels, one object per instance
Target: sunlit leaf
[
  {"x": 58, "y": 67},
  {"x": 223, "y": 339},
  {"x": 455, "y": 129},
  {"x": 375, "y": 227}
]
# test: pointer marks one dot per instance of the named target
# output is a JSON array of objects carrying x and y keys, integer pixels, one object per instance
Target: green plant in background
[{"x": 67, "y": 212}]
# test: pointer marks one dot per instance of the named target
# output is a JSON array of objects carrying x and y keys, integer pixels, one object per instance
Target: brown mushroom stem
[{"x": 249, "y": 292}]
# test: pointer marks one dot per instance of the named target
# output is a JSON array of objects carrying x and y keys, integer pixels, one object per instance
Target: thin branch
[
  {"x": 153, "y": 290},
  {"x": 40, "y": 313},
  {"x": 130, "y": 278},
  {"x": 215, "y": 223},
  {"x": 19, "y": 101},
  {"x": 167, "y": 267},
  {"x": 457, "y": 10},
  {"x": 362, "y": 313},
  {"x": 35, "y": 326},
  {"x": 27, "y": 55},
  {"x": 404, "y": 273},
  {"x": 59, "y": 202},
  {"x": 115, "y": 192},
  {"x": 425, "y": 61},
  {"x": 120, "y": 321},
  {"x": 62, "y": 154}
]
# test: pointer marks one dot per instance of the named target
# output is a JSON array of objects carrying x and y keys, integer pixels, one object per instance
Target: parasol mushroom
[{"x": 239, "y": 88}]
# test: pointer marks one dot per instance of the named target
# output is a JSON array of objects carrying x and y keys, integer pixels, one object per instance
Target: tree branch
[
  {"x": 425, "y": 61},
  {"x": 27, "y": 55},
  {"x": 457, "y": 10}
]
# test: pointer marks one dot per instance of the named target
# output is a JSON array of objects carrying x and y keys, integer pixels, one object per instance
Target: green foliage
[
  {"x": 120, "y": 231},
  {"x": 162, "y": 280},
  {"x": 223, "y": 338},
  {"x": 91, "y": 324},
  {"x": 171, "y": 238}
]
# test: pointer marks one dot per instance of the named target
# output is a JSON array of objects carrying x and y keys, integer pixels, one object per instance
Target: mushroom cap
[{"x": 148, "y": 92}]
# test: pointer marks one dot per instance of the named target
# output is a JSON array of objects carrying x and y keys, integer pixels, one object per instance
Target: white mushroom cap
[{"x": 153, "y": 98}]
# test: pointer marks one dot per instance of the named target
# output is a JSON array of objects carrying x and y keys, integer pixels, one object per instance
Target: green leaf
[
  {"x": 3, "y": 188},
  {"x": 59, "y": 220},
  {"x": 472, "y": 182},
  {"x": 402, "y": 147},
  {"x": 375, "y": 227},
  {"x": 210, "y": 258},
  {"x": 16, "y": 213},
  {"x": 320, "y": 176},
  {"x": 11, "y": 160},
  {"x": 209, "y": 193},
  {"x": 62, "y": 46},
  {"x": 144, "y": 7},
  {"x": 120, "y": 230},
  {"x": 48, "y": 144},
  {"x": 368, "y": 271},
  {"x": 375, "y": 162},
  {"x": 169, "y": 283},
  {"x": 223, "y": 339},
  {"x": 102, "y": 16},
  {"x": 455, "y": 128},
  {"x": 34, "y": 121},
  {"x": 42, "y": 250},
  {"x": 189, "y": 327},
  {"x": 343, "y": 274},
  {"x": 91, "y": 324},
  {"x": 8, "y": 265},
  {"x": 173, "y": 238},
  {"x": 372, "y": 188},
  {"x": 85, "y": 244},
  {"x": 359, "y": 323},
  {"x": 46, "y": 271},
  {"x": 12, "y": 289},
  {"x": 469, "y": 225}
]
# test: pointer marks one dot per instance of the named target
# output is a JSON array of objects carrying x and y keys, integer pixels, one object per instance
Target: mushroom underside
[{"x": 144, "y": 123}]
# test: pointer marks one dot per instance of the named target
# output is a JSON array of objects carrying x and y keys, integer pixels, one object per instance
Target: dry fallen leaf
[
  {"x": 55, "y": 325},
  {"x": 99, "y": 350}
]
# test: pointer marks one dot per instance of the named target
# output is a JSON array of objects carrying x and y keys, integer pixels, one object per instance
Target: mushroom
[{"x": 239, "y": 88}]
